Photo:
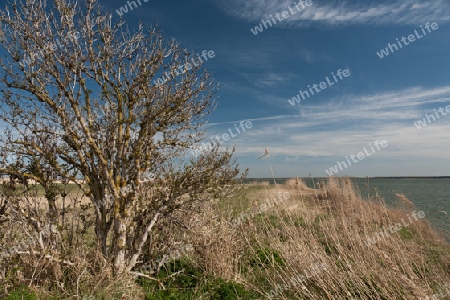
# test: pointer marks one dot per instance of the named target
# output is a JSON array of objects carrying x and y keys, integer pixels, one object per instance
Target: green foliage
[
  {"x": 53, "y": 191},
  {"x": 191, "y": 283},
  {"x": 299, "y": 222},
  {"x": 436, "y": 256},
  {"x": 22, "y": 293},
  {"x": 274, "y": 221},
  {"x": 189, "y": 276},
  {"x": 180, "y": 277},
  {"x": 227, "y": 290},
  {"x": 294, "y": 220},
  {"x": 267, "y": 257},
  {"x": 405, "y": 234},
  {"x": 327, "y": 244},
  {"x": 170, "y": 294},
  {"x": 320, "y": 217}
]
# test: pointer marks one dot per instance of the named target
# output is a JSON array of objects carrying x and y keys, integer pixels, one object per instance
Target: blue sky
[{"x": 380, "y": 100}]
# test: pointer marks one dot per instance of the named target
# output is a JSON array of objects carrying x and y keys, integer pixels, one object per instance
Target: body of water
[{"x": 432, "y": 195}]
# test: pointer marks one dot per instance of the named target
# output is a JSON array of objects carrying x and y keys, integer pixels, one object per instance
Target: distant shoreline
[{"x": 377, "y": 177}]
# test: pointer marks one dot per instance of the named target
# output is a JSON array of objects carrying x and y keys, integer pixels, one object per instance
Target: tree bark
[
  {"x": 101, "y": 225},
  {"x": 101, "y": 230},
  {"x": 52, "y": 210},
  {"x": 142, "y": 241},
  {"x": 120, "y": 233}
]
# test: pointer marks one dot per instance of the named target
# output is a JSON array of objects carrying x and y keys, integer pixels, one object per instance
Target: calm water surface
[{"x": 432, "y": 195}]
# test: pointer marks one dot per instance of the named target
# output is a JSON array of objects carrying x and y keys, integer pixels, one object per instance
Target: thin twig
[
  {"x": 148, "y": 277},
  {"x": 46, "y": 256}
]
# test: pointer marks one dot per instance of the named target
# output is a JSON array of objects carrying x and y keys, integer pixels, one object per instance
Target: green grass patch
[
  {"x": 405, "y": 234},
  {"x": 321, "y": 217},
  {"x": 21, "y": 293},
  {"x": 267, "y": 257},
  {"x": 182, "y": 280}
]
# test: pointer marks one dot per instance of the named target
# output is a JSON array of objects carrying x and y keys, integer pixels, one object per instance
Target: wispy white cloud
[
  {"x": 268, "y": 79},
  {"x": 346, "y": 124},
  {"x": 410, "y": 12}
]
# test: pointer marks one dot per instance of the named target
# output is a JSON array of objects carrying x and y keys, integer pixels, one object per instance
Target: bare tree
[{"x": 78, "y": 99}]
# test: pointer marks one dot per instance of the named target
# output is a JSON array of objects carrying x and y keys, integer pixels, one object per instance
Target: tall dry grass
[
  {"x": 55, "y": 262},
  {"x": 311, "y": 245},
  {"x": 327, "y": 227}
]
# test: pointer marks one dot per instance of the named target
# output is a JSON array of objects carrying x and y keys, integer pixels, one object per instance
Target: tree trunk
[
  {"x": 142, "y": 240},
  {"x": 120, "y": 242},
  {"x": 101, "y": 230},
  {"x": 52, "y": 210},
  {"x": 101, "y": 225}
]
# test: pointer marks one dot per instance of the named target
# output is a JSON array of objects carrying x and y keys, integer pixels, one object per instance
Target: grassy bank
[{"x": 266, "y": 241}]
